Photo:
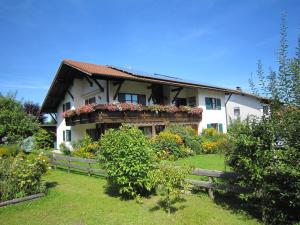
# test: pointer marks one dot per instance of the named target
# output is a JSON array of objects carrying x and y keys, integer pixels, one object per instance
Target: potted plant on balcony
[{"x": 84, "y": 112}]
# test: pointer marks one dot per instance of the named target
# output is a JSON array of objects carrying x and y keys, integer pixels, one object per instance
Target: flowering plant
[
  {"x": 85, "y": 109},
  {"x": 124, "y": 106},
  {"x": 69, "y": 113},
  {"x": 195, "y": 111}
]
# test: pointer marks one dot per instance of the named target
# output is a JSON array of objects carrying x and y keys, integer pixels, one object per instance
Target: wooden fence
[
  {"x": 86, "y": 166},
  {"x": 83, "y": 165}
]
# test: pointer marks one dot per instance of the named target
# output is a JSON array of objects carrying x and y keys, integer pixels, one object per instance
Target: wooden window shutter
[
  {"x": 208, "y": 103},
  {"x": 64, "y": 135},
  {"x": 221, "y": 127},
  {"x": 218, "y": 103},
  {"x": 209, "y": 125}
]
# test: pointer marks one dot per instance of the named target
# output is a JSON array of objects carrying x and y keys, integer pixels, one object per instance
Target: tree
[
  {"x": 15, "y": 123},
  {"x": 34, "y": 109}
]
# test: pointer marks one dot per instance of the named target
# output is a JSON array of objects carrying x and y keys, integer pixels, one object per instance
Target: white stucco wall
[
  {"x": 248, "y": 105},
  {"x": 211, "y": 115}
]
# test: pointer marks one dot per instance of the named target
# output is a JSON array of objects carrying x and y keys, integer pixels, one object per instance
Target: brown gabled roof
[
  {"x": 91, "y": 68},
  {"x": 70, "y": 69}
]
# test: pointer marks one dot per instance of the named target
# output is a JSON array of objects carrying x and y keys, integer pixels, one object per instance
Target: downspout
[{"x": 226, "y": 109}]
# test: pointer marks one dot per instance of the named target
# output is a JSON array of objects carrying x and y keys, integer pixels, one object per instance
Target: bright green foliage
[
  {"x": 170, "y": 182},
  {"x": 189, "y": 136},
  {"x": 9, "y": 150},
  {"x": 85, "y": 147},
  {"x": 266, "y": 158},
  {"x": 128, "y": 158},
  {"x": 170, "y": 145},
  {"x": 21, "y": 176},
  {"x": 15, "y": 124},
  {"x": 213, "y": 141},
  {"x": 43, "y": 140},
  {"x": 64, "y": 149}
]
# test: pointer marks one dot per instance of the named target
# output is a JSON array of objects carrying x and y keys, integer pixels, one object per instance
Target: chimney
[{"x": 238, "y": 88}]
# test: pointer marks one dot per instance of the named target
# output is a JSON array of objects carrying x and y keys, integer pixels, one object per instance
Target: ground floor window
[
  {"x": 67, "y": 136},
  {"x": 94, "y": 134},
  {"x": 217, "y": 126},
  {"x": 159, "y": 128},
  {"x": 237, "y": 111},
  {"x": 147, "y": 130}
]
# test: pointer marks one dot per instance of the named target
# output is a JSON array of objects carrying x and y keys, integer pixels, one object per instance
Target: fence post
[
  {"x": 89, "y": 170},
  {"x": 210, "y": 190},
  {"x": 69, "y": 162}
]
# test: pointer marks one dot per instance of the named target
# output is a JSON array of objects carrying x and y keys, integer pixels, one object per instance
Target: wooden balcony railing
[{"x": 102, "y": 115}]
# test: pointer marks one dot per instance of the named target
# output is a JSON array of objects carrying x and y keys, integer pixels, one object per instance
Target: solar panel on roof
[{"x": 139, "y": 73}]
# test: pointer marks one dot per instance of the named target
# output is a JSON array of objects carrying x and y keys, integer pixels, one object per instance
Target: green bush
[
  {"x": 189, "y": 136},
  {"x": 266, "y": 158},
  {"x": 171, "y": 146},
  {"x": 213, "y": 141},
  {"x": 21, "y": 176},
  {"x": 9, "y": 150},
  {"x": 85, "y": 147},
  {"x": 128, "y": 158},
  {"x": 170, "y": 183},
  {"x": 64, "y": 149},
  {"x": 43, "y": 140}
]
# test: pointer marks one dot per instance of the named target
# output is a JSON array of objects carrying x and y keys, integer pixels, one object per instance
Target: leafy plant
[
  {"x": 21, "y": 176},
  {"x": 43, "y": 140},
  {"x": 85, "y": 147},
  {"x": 189, "y": 136},
  {"x": 9, "y": 150},
  {"x": 170, "y": 183},
  {"x": 169, "y": 145},
  {"x": 64, "y": 149},
  {"x": 15, "y": 123},
  {"x": 213, "y": 141},
  {"x": 128, "y": 158}
]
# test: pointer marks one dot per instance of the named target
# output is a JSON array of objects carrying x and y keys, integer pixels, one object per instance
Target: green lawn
[
  {"x": 211, "y": 162},
  {"x": 78, "y": 199}
]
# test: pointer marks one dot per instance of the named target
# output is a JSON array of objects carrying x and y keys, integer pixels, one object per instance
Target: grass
[
  {"x": 78, "y": 199},
  {"x": 211, "y": 162}
]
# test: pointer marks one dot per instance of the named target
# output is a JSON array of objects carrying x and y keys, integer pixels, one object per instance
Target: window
[
  {"x": 192, "y": 101},
  {"x": 132, "y": 98},
  {"x": 146, "y": 130},
  {"x": 213, "y": 103},
  {"x": 265, "y": 109},
  {"x": 236, "y": 112},
  {"x": 67, "y": 135},
  {"x": 93, "y": 133},
  {"x": 90, "y": 100},
  {"x": 180, "y": 101},
  {"x": 217, "y": 126},
  {"x": 66, "y": 106}
]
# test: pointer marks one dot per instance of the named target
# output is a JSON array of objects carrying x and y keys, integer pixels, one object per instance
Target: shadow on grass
[
  {"x": 161, "y": 204},
  {"x": 50, "y": 184},
  {"x": 79, "y": 172},
  {"x": 231, "y": 201}
]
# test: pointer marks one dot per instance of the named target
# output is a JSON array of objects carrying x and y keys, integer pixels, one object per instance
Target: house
[
  {"x": 85, "y": 97},
  {"x": 243, "y": 105}
]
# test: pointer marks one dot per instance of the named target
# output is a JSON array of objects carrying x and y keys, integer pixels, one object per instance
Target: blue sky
[{"x": 211, "y": 41}]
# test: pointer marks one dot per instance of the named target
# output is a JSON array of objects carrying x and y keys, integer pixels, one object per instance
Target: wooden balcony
[{"x": 103, "y": 116}]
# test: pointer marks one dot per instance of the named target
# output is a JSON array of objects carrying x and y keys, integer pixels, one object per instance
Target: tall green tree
[{"x": 15, "y": 123}]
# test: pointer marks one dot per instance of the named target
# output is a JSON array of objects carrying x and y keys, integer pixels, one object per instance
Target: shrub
[
  {"x": 213, "y": 141},
  {"x": 170, "y": 183},
  {"x": 9, "y": 150},
  {"x": 64, "y": 149},
  {"x": 85, "y": 148},
  {"x": 21, "y": 176},
  {"x": 128, "y": 158},
  {"x": 266, "y": 159},
  {"x": 169, "y": 145},
  {"x": 43, "y": 140},
  {"x": 188, "y": 135}
]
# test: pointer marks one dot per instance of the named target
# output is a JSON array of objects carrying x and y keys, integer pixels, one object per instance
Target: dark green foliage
[
  {"x": 21, "y": 176},
  {"x": 15, "y": 124},
  {"x": 128, "y": 158},
  {"x": 64, "y": 149},
  {"x": 266, "y": 158},
  {"x": 189, "y": 136},
  {"x": 43, "y": 140}
]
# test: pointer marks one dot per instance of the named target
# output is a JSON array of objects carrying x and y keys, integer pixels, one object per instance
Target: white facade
[
  {"x": 242, "y": 106},
  {"x": 82, "y": 90}
]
